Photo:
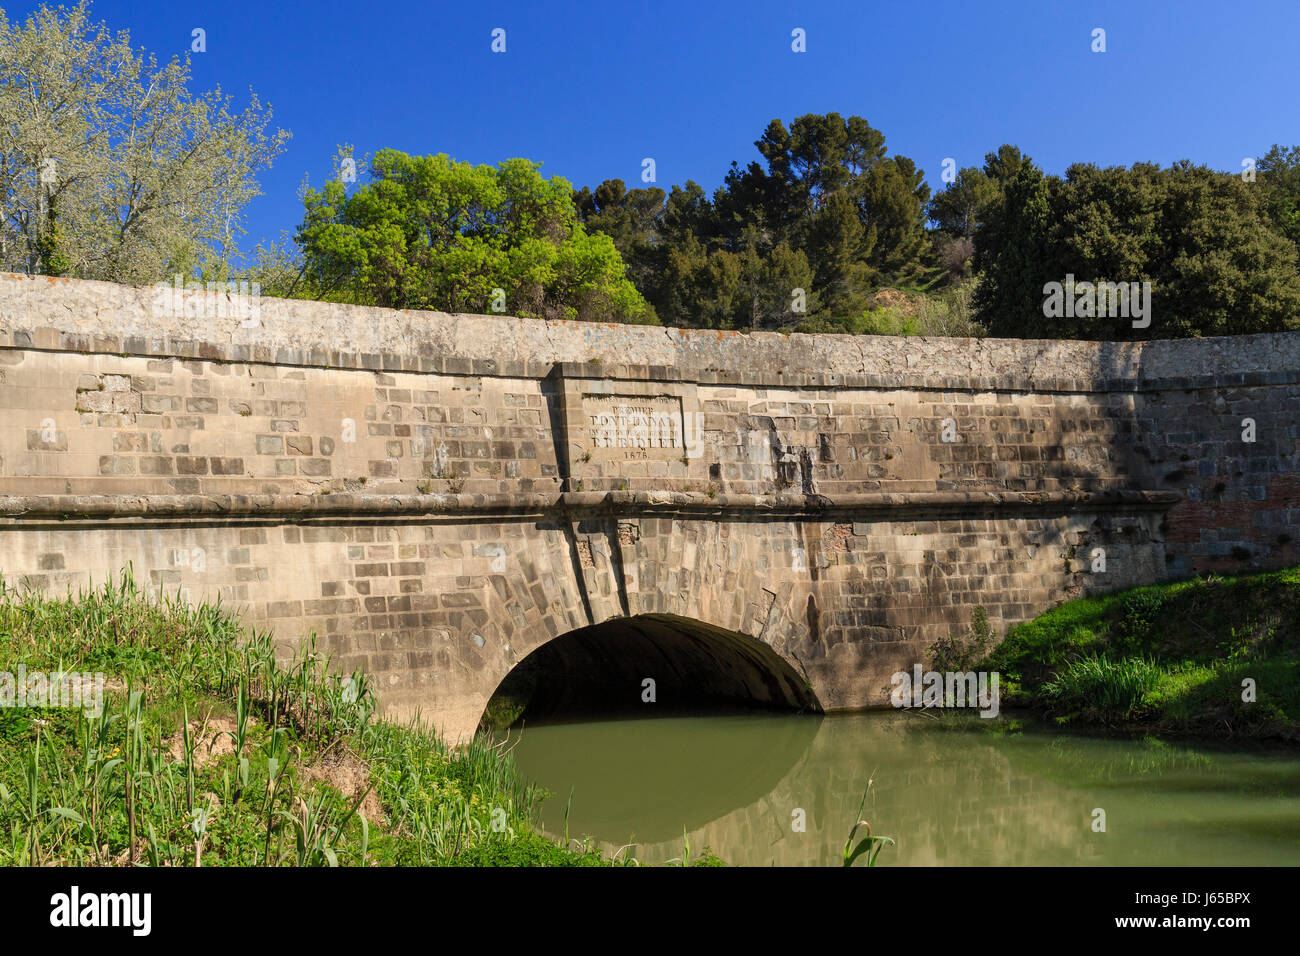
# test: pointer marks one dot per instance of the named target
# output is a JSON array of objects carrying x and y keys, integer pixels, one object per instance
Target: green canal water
[{"x": 950, "y": 792}]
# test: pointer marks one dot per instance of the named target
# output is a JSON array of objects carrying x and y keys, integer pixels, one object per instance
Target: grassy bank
[
  {"x": 210, "y": 752},
  {"x": 1172, "y": 658}
]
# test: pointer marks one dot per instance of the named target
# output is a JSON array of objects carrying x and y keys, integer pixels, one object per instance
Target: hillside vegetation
[{"x": 1180, "y": 658}]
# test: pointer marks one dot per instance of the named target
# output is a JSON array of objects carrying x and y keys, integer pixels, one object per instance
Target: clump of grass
[
  {"x": 150, "y": 781},
  {"x": 1210, "y": 656},
  {"x": 1104, "y": 689},
  {"x": 869, "y": 845}
]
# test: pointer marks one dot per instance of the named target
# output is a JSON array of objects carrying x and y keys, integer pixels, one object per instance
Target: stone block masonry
[{"x": 438, "y": 495}]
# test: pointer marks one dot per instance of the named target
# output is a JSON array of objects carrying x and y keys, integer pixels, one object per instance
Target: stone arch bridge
[{"x": 785, "y": 520}]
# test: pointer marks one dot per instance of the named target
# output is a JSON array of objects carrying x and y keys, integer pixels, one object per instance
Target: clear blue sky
[{"x": 590, "y": 89}]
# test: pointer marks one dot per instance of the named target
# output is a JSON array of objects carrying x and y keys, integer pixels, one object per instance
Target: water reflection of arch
[
  {"x": 698, "y": 670},
  {"x": 634, "y": 775}
]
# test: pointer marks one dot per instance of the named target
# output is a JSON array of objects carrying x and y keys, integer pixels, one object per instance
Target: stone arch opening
[{"x": 601, "y": 670}]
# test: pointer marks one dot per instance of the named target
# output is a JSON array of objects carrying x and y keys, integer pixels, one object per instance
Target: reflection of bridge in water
[
  {"x": 948, "y": 796},
  {"x": 735, "y": 784}
]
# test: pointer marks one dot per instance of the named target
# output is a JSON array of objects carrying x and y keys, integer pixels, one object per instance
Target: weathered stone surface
[{"x": 845, "y": 501}]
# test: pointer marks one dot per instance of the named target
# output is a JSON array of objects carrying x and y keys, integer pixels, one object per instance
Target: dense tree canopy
[
  {"x": 427, "y": 232},
  {"x": 1210, "y": 244},
  {"x": 1279, "y": 175},
  {"x": 810, "y": 235},
  {"x": 825, "y": 220}
]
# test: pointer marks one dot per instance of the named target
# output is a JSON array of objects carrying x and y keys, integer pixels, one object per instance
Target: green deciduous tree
[
  {"x": 110, "y": 167},
  {"x": 427, "y": 232}
]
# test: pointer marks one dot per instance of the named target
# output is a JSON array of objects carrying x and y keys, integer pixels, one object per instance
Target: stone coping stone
[{"x": 41, "y": 312}]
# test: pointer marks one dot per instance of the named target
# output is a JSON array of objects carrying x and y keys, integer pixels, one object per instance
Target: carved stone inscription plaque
[{"x": 634, "y": 426}]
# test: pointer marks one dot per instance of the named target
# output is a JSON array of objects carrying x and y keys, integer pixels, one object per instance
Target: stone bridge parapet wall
[{"x": 438, "y": 494}]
